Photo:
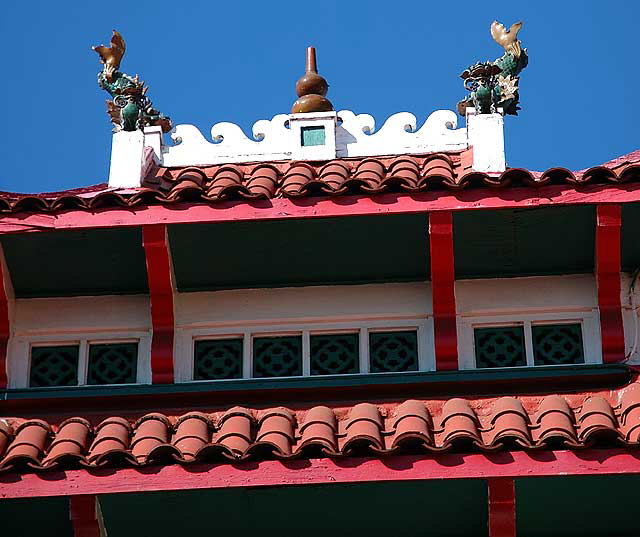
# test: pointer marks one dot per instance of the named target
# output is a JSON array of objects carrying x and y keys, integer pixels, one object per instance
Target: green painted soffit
[
  {"x": 356, "y": 249},
  {"x": 76, "y": 263},
  {"x": 524, "y": 242},
  {"x": 446, "y": 508},
  {"x": 578, "y": 506},
  {"x": 35, "y": 517},
  {"x": 630, "y": 236}
]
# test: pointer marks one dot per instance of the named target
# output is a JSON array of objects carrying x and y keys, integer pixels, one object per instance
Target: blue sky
[{"x": 238, "y": 61}]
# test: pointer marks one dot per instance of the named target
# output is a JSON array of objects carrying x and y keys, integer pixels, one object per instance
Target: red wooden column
[
  {"x": 443, "y": 291},
  {"x": 159, "y": 273},
  {"x": 84, "y": 512},
  {"x": 6, "y": 296},
  {"x": 608, "y": 261},
  {"x": 502, "y": 507}
]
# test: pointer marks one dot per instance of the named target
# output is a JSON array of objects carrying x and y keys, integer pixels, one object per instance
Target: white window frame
[
  {"x": 186, "y": 337},
  {"x": 589, "y": 322},
  {"x": 21, "y": 349}
]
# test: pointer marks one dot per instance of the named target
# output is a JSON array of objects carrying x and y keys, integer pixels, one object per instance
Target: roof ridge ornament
[
  {"x": 130, "y": 109},
  {"x": 311, "y": 89},
  {"x": 494, "y": 86}
]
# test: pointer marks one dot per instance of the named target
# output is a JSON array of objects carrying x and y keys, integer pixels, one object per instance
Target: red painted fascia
[
  {"x": 608, "y": 262},
  {"x": 514, "y": 464},
  {"x": 311, "y": 207},
  {"x": 158, "y": 259},
  {"x": 445, "y": 333},
  {"x": 502, "y": 507},
  {"x": 83, "y": 512}
]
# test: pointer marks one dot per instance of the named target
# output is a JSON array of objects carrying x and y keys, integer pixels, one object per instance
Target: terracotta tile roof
[
  {"x": 332, "y": 178},
  {"x": 513, "y": 423}
]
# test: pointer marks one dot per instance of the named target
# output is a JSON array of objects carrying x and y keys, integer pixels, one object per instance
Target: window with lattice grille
[
  {"x": 55, "y": 365},
  {"x": 500, "y": 346},
  {"x": 334, "y": 354},
  {"x": 392, "y": 352},
  {"x": 556, "y": 344},
  {"x": 112, "y": 363},
  {"x": 277, "y": 356},
  {"x": 84, "y": 363},
  {"x": 216, "y": 359}
]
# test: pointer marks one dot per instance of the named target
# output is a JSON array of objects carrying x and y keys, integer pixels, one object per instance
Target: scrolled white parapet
[
  {"x": 398, "y": 134},
  {"x": 354, "y": 135},
  {"x": 229, "y": 144}
]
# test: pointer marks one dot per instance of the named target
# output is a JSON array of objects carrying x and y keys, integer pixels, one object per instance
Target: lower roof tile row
[{"x": 365, "y": 428}]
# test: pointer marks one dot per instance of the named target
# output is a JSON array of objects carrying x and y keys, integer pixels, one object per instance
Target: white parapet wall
[{"x": 284, "y": 137}]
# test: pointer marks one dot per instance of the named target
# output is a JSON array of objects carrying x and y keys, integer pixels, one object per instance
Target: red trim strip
[
  {"x": 609, "y": 221},
  {"x": 443, "y": 290},
  {"x": 278, "y": 209},
  {"x": 320, "y": 471},
  {"x": 83, "y": 512},
  {"x": 502, "y": 507},
  {"x": 156, "y": 249},
  {"x": 5, "y": 326}
]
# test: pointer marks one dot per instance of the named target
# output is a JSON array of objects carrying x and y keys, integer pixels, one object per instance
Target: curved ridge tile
[
  {"x": 192, "y": 434},
  {"x": 457, "y": 422},
  {"x": 296, "y": 178},
  {"x": 234, "y": 430},
  {"x": 319, "y": 428},
  {"x": 509, "y": 421},
  {"x": 29, "y": 443},
  {"x": 111, "y": 441},
  {"x": 596, "y": 419},
  {"x": 30, "y": 204},
  {"x": 151, "y": 432},
  {"x": 263, "y": 182},
  {"x": 275, "y": 429},
  {"x": 438, "y": 167},
  {"x": 554, "y": 420},
  {"x": 334, "y": 175},
  {"x": 411, "y": 422},
  {"x": 70, "y": 442},
  {"x": 370, "y": 172},
  {"x": 363, "y": 427},
  {"x": 227, "y": 180}
]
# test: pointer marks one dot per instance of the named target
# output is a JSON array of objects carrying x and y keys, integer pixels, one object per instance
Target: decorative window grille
[
  {"x": 530, "y": 343},
  {"x": 334, "y": 354},
  {"x": 555, "y": 344},
  {"x": 392, "y": 352},
  {"x": 112, "y": 363},
  {"x": 216, "y": 359},
  {"x": 501, "y": 346},
  {"x": 83, "y": 363},
  {"x": 304, "y": 350},
  {"x": 277, "y": 356},
  {"x": 54, "y": 366}
]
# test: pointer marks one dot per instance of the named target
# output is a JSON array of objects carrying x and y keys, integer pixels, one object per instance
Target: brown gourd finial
[{"x": 311, "y": 89}]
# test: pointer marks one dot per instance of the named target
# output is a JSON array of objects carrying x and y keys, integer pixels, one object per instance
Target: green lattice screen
[
  {"x": 112, "y": 363},
  {"x": 334, "y": 354},
  {"x": 555, "y": 344},
  {"x": 277, "y": 356},
  {"x": 391, "y": 352},
  {"x": 54, "y": 366},
  {"x": 217, "y": 359},
  {"x": 501, "y": 346}
]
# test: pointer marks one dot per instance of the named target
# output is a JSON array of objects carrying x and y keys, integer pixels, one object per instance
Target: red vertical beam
[
  {"x": 5, "y": 323},
  {"x": 85, "y": 516},
  {"x": 502, "y": 507},
  {"x": 156, "y": 249},
  {"x": 608, "y": 261},
  {"x": 443, "y": 291}
]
